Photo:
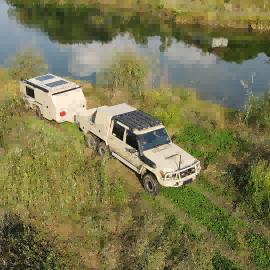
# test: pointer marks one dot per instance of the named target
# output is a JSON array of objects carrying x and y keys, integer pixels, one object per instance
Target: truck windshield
[{"x": 153, "y": 139}]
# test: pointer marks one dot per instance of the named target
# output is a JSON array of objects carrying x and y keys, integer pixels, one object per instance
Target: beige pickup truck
[{"x": 141, "y": 142}]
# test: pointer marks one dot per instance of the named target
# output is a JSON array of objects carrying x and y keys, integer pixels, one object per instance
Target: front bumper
[{"x": 181, "y": 177}]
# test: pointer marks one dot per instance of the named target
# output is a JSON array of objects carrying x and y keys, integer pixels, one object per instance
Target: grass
[
  {"x": 23, "y": 247},
  {"x": 204, "y": 211},
  {"x": 50, "y": 178},
  {"x": 259, "y": 249},
  {"x": 220, "y": 262}
]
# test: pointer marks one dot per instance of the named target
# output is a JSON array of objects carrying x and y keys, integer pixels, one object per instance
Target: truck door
[
  {"x": 131, "y": 153},
  {"x": 116, "y": 140}
]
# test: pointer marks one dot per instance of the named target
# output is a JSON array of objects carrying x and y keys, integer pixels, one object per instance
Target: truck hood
[{"x": 167, "y": 157}]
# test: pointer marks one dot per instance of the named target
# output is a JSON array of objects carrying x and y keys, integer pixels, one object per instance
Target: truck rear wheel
[
  {"x": 91, "y": 141},
  {"x": 151, "y": 184}
]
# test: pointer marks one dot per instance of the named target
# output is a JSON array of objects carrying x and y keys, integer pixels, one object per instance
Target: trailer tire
[
  {"x": 27, "y": 105},
  {"x": 91, "y": 141},
  {"x": 38, "y": 113},
  {"x": 103, "y": 149},
  {"x": 150, "y": 184}
]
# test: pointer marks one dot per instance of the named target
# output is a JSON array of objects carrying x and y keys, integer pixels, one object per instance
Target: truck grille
[{"x": 187, "y": 172}]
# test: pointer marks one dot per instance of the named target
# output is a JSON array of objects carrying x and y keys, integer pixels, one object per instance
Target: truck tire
[
  {"x": 102, "y": 149},
  {"x": 91, "y": 141},
  {"x": 150, "y": 184}
]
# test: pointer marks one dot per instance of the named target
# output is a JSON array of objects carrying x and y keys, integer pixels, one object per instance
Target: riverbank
[
  {"x": 225, "y": 14},
  {"x": 97, "y": 211}
]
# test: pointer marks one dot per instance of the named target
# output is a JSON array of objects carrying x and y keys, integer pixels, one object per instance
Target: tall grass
[{"x": 23, "y": 247}]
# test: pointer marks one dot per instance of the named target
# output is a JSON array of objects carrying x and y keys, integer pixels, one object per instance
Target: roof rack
[{"x": 137, "y": 120}]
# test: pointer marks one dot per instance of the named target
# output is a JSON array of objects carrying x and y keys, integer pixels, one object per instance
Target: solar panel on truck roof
[{"x": 137, "y": 120}]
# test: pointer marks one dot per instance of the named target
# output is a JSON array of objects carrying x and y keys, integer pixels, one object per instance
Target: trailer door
[{"x": 67, "y": 103}]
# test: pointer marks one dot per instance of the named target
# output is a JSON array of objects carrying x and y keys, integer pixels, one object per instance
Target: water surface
[{"x": 82, "y": 42}]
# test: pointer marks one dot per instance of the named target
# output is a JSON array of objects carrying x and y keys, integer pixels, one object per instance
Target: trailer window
[
  {"x": 131, "y": 140},
  {"x": 118, "y": 131},
  {"x": 30, "y": 92}
]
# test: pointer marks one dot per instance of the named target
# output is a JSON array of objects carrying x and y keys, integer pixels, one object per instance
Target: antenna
[{"x": 179, "y": 162}]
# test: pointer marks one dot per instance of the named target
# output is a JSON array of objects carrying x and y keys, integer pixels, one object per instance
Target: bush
[
  {"x": 251, "y": 179},
  {"x": 26, "y": 64},
  {"x": 128, "y": 71},
  {"x": 257, "y": 111}
]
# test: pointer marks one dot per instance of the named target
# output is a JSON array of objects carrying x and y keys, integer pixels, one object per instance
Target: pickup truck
[{"x": 141, "y": 142}]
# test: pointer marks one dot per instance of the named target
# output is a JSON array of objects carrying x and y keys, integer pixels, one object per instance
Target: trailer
[{"x": 53, "y": 97}]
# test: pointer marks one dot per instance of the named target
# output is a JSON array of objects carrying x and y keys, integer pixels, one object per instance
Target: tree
[{"x": 26, "y": 64}]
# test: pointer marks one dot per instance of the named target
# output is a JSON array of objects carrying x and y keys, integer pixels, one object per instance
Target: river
[{"x": 82, "y": 42}]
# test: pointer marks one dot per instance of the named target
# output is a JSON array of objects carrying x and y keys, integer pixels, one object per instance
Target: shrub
[
  {"x": 26, "y": 64},
  {"x": 257, "y": 111},
  {"x": 128, "y": 71}
]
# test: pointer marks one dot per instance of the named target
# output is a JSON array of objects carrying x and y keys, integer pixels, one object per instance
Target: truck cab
[{"x": 141, "y": 142}]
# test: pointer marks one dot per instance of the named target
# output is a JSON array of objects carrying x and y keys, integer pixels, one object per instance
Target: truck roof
[
  {"x": 52, "y": 84},
  {"x": 115, "y": 110},
  {"x": 137, "y": 120}
]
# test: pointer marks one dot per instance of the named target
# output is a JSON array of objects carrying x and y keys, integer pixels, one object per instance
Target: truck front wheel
[
  {"x": 151, "y": 184},
  {"x": 102, "y": 149}
]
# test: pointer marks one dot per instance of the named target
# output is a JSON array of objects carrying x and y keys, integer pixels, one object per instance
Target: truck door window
[
  {"x": 30, "y": 92},
  {"x": 118, "y": 131},
  {"x": 131, "y": 140}
]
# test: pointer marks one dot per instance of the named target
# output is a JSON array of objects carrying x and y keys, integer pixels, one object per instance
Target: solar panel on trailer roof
[
  {"x": 44, "y": 77},
  {"x": 57, "y": 83}
]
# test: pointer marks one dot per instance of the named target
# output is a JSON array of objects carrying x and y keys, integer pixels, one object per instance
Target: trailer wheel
[
  {"x": 103, "y": 149},
  {"x": 151, "y": 184},
  {"x": 27, "y": 105},
  {"x": 91, "y": 141},
  {"x": 38, "y": 112}
]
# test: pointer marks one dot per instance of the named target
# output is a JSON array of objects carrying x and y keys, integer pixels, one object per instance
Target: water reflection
[{"x": 82, "y": 42}]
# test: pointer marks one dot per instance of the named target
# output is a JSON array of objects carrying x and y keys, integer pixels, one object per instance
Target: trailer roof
[
  {"x": 138, "y": 120},
  {"x": 50, "y": 83}
]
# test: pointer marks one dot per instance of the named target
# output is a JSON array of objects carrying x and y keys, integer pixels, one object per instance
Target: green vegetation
[
  {"x": 257, "y": 112},
  {"x": 27, "y": 64},
  {"x": 199, "y": 207},
  {"x": 22, "y": 247},
  {"x": 127, "y": 72},
  {"x": 220, "y": 262},
  {"x": 96, "y": 211},
  {"x": 260, "y": 249}
]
